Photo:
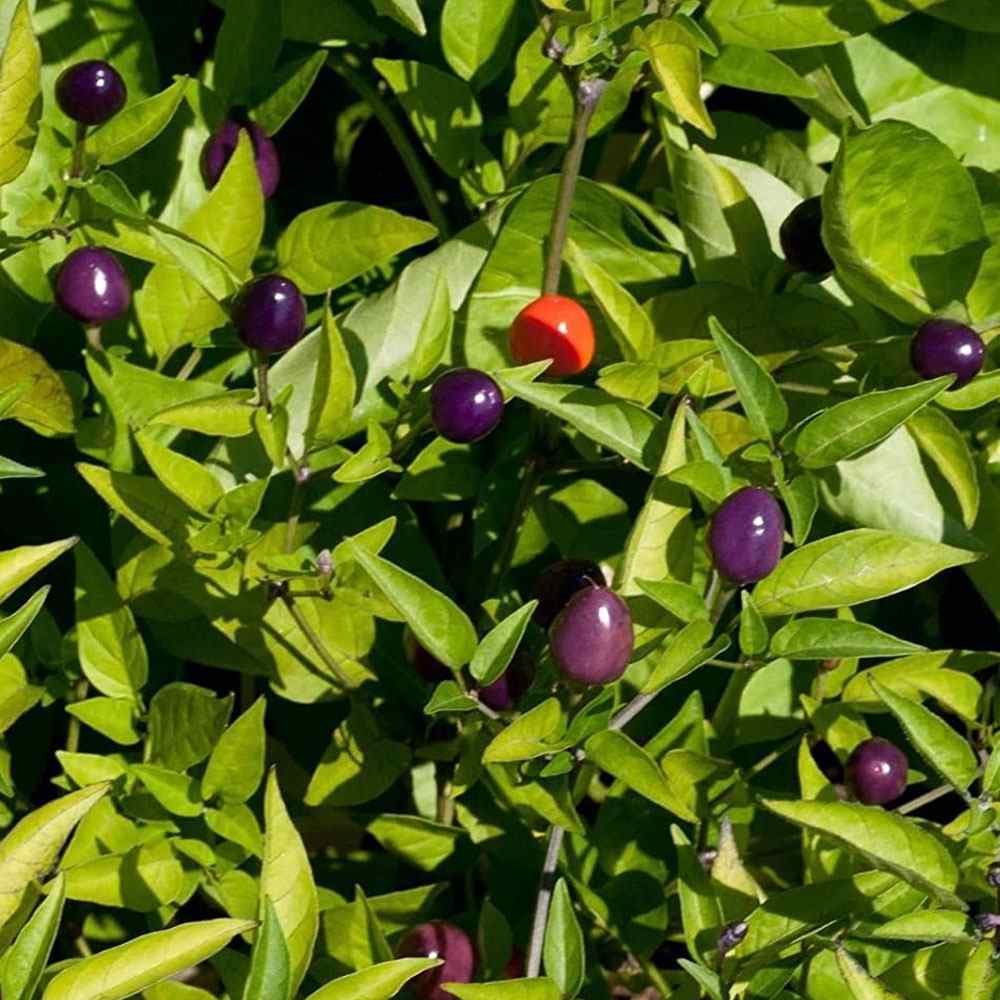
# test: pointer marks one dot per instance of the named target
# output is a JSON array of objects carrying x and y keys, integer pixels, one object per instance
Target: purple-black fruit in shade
[
  {"x": 444, "y": 940},
  {"x": 221, "y": 145},
  {"x": 426, "y": 664},
  {"x": 507, "y": 689},
  {"x": 592, "y": 638},
  {"x": 92, "y": 286},
  {"x": 802, "y": 241},
  {"x": 466, "y": 404},
  {"x": 731, "y": 935},
  {"x": 559, "y": 582},
  {"x": 993, "y": 875},
  {"x": 270, "y": 314},
  {"x": 947, "y": 347},
  {"x": 876, "y": 772},
  {"x": 746, "y": 535},
  {"x": 91, "y": 92}
]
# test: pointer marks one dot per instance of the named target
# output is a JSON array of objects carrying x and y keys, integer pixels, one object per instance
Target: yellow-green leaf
[
  {"x": 20, "y": 95},
  {"x": 677, "y": 63}
]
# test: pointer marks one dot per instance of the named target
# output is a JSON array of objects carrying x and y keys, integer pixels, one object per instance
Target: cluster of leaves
[{"x": 224, "y": 552}]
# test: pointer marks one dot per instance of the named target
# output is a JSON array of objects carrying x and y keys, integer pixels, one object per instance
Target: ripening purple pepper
[
  {"x": 425, "y": 663},
  {"x": 444, "y": 940},
  {"x": 270, "y": 314},
  {"x": 746, "y": 535},
  {"x": 592, "y": 638},
  {"x": 946, "y": 347},
  {"x": 92, "y": 286},
  {"x": 802, "y": 241},
  {"x": 466, "y": 404},
  {"x": 559, "y": 582},
  {"x": 91, "y": 92},
  {"x": 221, "y": 145},
  {"x": 507, "y": 689},
  {"x": 876, "y": 772}
]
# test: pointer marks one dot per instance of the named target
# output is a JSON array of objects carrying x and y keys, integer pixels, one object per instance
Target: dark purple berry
[
  {"x": 466, "y": 405},
  {"x": 746, "y": 535},
  {"x": 559, "y": 582},
  {"x": 444, "y": 940},
  {"x": 92, "y": 286},
  {"x": 945, "y": 347},
  {"x": 270, "y": 314},
  {"x": 592, "y": 637},
  {"x": 801, "y": 239},
  {"x": 91, "y": 92},
  {"x": 731, "y": 935},
  {"x": 222, "y": 144},
  {"x": 988, "y": 922},
  {"x": 993, "y": 875},
  {"x": 507, "y": 689},
  {"x": 515, "y": 968},
  {"x": 426, "y": 664},
  {"x": 876, "y": 772}
]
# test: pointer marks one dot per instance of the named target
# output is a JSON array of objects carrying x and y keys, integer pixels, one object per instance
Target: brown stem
[{"x": 263, "y": 395}]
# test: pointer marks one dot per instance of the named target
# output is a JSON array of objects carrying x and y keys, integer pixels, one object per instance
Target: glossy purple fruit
[
  {"x": 559, "y": 582},
  {"x": 591, "y": 639},
  {"x": 876, "y": 772},
  {"x": 270, "y": 314},
  {"x": 444, "y": 940},
  {"x": 426, "y": 664},
  {"x": 91, "y": 92},
  {"x": 466, "y": 404},
  {"x": 222, "y": 144},
  {"x": 801, "y": 239},
  {"x": 92, "y": 286},
  {"x": 945, "y": 347},
  {"x": 507, "y": 689},
  {"x": 746, "y": 535}
]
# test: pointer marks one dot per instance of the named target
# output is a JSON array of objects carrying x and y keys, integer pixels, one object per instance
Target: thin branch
[
  {"x": 331, "y": 662},
  {"x": 925, "y": 800},
  {"x": 263, "y": 394},
  {"x": 534, "y": 964}
]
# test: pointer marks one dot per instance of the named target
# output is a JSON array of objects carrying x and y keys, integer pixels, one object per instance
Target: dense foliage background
[{"x": 217, "y": 724}]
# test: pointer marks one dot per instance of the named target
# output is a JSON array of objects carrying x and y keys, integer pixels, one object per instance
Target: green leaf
[
  {"x": 326, "y": 247},
  {"x": 801, "y": 497},
  {"x": 709, "y": 981},
  {"x": 246, "y": 47},
  {"x": 359, "y": 764},
  {"x": 565, "y": 952},
  {"x": 333, "y": 390},
  {"x": 681, "y": 599},
  {"x": 185, "y": 722},
  {"x": 902, "y": 220},
  {"x": 435, "y": 331},
  {"x": 184, "y": 477},
  {"x": 235, "y": 769},
  {"x": 406, "y": 12},
  {"x": 20, "y": 94},
  {"x": 701, "y": 915},
  {"x": 111, "y": 717},
  {"x": 758, "y": 393},
  {"x": 14, "y": 626},
  {"x": 177, "y": 793},
  {"x": 676, "y": 61},
  {"x": 850, "y": 568},
  {"x": 268, "y": 978},
  {"x": 942, "y": 442},
  {"x": 862, "y": 985},
  {"x": 17, "y": 566},
  {"x": 940, "y": 745},
  {"x": 536, "y": 733},
  {"x": 927, "y": 925},
  {"x": 136, "y": 125},
  {"x": 228, "y": 414},
  {"x": 143, "y": 878},
  {"x": 378, "y": 982},
  {"x": 885, "y": 839},
  {"x": 625, "y": 760},
  {"x": 755, "y": 69},
  {"x": 27, "y": 958},
  {"x": 45, "y": 406},
  {"x": 421, "y": 842},
  {"x": 475, "y": 36},
  {"x": 753, "y": 635},
  {"x": 981, "y": 975},
  {"x": 628, "y": 322},
  {"x": 856, "y": 424},
  {"x": 440, "y": 626},
  {"x": 129, "y": 968},
  {"x": 286, "y": 878},
  {"x": 498, "y": 646},
  {"x": 32, "y": 846},
  {"x": 443, "y": 470},
  {"x": 834, "y": 638},
  {"x": 623, "y": 427},
  {"x": 637, "y": 381},
  {"x": 539, "y": 988},
  {"x": 682, "y": 656}
]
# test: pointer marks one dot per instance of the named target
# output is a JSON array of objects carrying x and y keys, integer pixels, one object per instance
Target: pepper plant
[{"x": 501, "y": 499}]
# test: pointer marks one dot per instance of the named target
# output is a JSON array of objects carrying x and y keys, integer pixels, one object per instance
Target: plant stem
[
  {"x": 314, "y": 640},
  {"x": 925, "y": 800},
  {"x": 189, "y": 366},
  {"x": 534, "y": 964},
  {"x": 631, "y": 710},
  {"x": 399, "y": 138},
  {"x": 73, "y": 731},
  {"x": 586, "y": 99},
  {"x": 79, "y": 148},
  {"x": 94, "y": 338},
  {"x": 263, "y": 394}
]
